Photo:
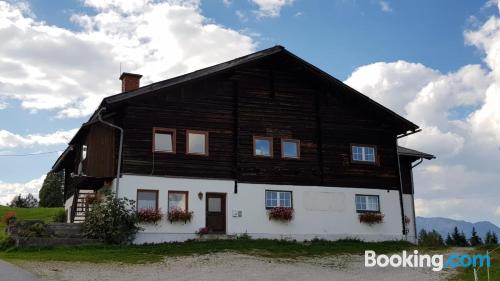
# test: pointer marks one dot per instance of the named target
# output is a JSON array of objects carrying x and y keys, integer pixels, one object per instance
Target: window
[
  {"x": 164, "y": 140},
  {"x": 278, "y": 199},
  {"x": 178, "y": 200},
  {"x": 367, "y": 203},
  {"x": 290, "y": 148},
  {"x": 197, "y": 142},
  {"x": 263, "y": 146},
  {"x": 147, "y": 199},
  {"x": 84, "y": 152},
  {"x": 363, "y": 153}
]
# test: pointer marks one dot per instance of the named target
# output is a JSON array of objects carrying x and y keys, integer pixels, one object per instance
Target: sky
[{"x": 436, "y": 63}]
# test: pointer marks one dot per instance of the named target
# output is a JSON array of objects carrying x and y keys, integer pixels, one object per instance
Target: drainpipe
[
  {"x": 119, "y": 165},
  {"x": 413, "y": 198},
  {"x": 401, "y": 192}
]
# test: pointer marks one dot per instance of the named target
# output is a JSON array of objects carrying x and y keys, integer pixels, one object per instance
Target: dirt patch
[{"x": 229, "y": 267}]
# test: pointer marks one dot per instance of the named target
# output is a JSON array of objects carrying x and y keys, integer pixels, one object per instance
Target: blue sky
[{"x": 412, "y": 56}]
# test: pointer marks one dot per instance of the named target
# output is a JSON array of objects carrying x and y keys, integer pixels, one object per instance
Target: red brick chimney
[{"x": 130, "y": 81}]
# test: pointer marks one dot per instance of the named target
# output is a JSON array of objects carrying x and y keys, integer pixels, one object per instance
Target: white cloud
[
  {"x": 51, "y": 68},
  {"x": 385, "y": 6},
  {"x": 3, "y": 105},
  {"x": 271, "y": 8},
  {"x": 9, "y": 190},
  {"x": 241, "y": 16},
  {"x": 10, "y": 140},
  {"x": 459, "y": 113}
]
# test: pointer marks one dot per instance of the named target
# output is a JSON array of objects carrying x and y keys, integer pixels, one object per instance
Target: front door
[{"x": 216, "y": 212}]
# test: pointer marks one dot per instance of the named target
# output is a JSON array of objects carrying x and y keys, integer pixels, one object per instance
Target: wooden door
[{"x": 216, "y": 212}]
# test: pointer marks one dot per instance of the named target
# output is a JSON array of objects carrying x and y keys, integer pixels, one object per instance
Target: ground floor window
[
  {"x": 367, "y": 203},
  {"x": 275, "y": 198},
  {"x": 178, "y": 200},
  {"x": 147, "y": 199}
]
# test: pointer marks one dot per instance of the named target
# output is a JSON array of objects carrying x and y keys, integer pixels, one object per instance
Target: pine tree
[
  {"x": 494, "y": 238},
  {"x": 475, "y": 240},
  {"x": 422, "y": 237},
  {"x": 463, "y": 240},
  {"x": 455, "y": 236},
  {"x": 449, "y": 241},
  {"x": 24, "y": 202},
  {"x": 487, "y": 237}
]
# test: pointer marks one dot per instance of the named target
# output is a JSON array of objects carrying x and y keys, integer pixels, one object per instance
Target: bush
[
  {"x": 112, "y": 220},
  {"x": 60, "y": 216},
  {"x": 371, "y": 218},
  {"x": 151, "y": 215},
  {"x": 32, "y": 228},
  {"x": 281, "y": 214},
  {"x": 177, "y": 214},
  {"x": 203, "y": 231}
]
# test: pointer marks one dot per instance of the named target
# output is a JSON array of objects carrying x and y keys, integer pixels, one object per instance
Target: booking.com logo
[{"x": 436, "y": 262}]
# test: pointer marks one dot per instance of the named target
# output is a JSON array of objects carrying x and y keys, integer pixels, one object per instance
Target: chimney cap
[{"x": 125, "y": 74}]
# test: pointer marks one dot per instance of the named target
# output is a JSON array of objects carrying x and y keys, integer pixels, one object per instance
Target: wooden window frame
[
  {"x": 174, "y": 139},
  {"x": 178, "y": 192},
  {"x": 296, "y": 141},
  {"x": 271, "y": 152},
  {"x": 375, "y": 154},
  {"x": 275, "y": 190},
  {"x": 206, "y": 142},
  {"x": 367, "y": 211},
  {"x": 147, "y": 190}
]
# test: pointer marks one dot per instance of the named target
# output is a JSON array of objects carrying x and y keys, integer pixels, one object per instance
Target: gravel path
[
  {"x": 9, "y": 272},
  {"x": 230, "y": 267}
]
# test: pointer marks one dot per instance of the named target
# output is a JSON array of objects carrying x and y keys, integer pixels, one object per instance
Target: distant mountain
[{"x": 445, "y": 226}]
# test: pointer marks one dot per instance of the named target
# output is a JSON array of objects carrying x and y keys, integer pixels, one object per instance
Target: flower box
[
  {"x": 371, "y": 218},
  {"x": 150, "y": 215},
  {"x": 178, "y": 215},
  {"x": 281, "y": 214}
]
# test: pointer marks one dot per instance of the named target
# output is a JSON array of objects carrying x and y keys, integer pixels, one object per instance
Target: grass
[
  {"x": 44, "y": 214},
  {"x": 155, "y": 253},
  {"x": 468, "y": 273}
]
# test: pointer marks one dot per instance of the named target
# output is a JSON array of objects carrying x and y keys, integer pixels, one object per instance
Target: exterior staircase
[{"x": 81, "y": 204}]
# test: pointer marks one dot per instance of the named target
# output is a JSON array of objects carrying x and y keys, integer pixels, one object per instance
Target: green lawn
[
  {"x": 44, "y": 214},
  {"x": 468, "y": 274},
  {"x": 155, "y": 253}
]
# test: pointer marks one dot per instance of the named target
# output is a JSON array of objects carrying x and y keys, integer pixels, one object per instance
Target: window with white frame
[
  {"x": 290, "y": 148},
  {"x": 276, "y": 198},
  {"x": 197, "y": 142},
  {"x": 367, "y": 203},
  {"x": 363, "y": 153}
]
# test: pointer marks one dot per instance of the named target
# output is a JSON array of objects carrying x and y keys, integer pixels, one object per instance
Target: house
[{"x": 233, "y": 141}]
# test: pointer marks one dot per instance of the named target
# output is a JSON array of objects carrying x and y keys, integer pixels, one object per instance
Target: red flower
[
  {"x": 371, "y": 218},
  {"x": 150, "y": 215},
  {"x": 281, "y": 213},
  {"x": 177, "y": 214}
]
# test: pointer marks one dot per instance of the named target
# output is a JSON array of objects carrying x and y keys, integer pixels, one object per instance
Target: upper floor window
[
  {"x": 164, "y": 140},
  {"x": 147, "y": 199},
  {"x": 290, "y": 148},
  {"x": 84, "y": 152},
  {"x": 363, "y": 153},
  {"x": 263, "y": 146},
  {"x": 197, "y": 142},
  {"x": 275, "y": 198},
  {"x": 367, "y": 203},
  {"x": 178, "y": 200}
]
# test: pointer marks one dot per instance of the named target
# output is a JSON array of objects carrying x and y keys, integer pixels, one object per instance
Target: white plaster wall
[
  {"x": 320, "y": 212},
  {"x": 410, "y": 213}
]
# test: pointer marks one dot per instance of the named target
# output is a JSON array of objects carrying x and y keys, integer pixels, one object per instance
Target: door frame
[{"x": 224, "y": 208}]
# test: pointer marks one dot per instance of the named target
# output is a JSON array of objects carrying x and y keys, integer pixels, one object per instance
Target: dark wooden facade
[{"x": 277, "y": 96}]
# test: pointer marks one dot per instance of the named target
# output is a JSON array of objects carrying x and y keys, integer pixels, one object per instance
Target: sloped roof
[{"x": 414, "y": 153}]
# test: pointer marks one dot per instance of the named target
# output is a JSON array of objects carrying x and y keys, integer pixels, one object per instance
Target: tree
[
  {"x": 491, "y": 238},
  {"x": 431, "y": 238},
  {"x": 449, "y": 240},
  {"x": 457, "y": 239},
  {"x": 24, "y": 202},
  {"x": 51, "y": 194},
  {"x": 475, "y": 240}
]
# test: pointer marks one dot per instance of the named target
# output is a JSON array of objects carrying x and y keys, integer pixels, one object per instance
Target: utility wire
[{"x": 29, "y": 154}]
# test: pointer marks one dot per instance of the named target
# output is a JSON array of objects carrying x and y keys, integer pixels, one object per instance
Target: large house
[{"x": 232, "y": 142}]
